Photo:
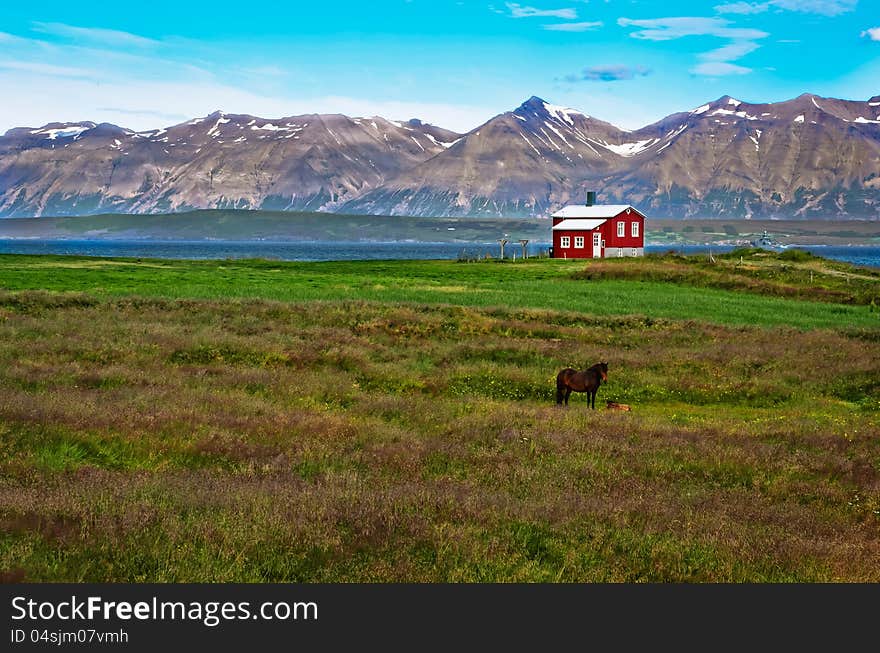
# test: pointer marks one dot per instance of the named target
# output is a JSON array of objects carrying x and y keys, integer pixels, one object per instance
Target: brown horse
[{"x": 588, "y": 381}]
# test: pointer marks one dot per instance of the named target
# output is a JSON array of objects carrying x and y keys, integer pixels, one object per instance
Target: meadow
[{"x": 395, "y": 421}]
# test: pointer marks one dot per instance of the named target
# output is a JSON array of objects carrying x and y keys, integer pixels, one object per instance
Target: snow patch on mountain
[
  {"x": 562, "y": 113},
  {"x": 74, "y": 131},
  {"x": 269, "y": 127},
  {"x": 530, "y": 143},
  {"x": 442, "y": 143},
  {"x": 628, "y": 149},
  {"x": 213, "y": 132},
  {"x": 675, "y": 132},
  {"x": 559, "y": 133},
  {"x": 738, "y": 114}
]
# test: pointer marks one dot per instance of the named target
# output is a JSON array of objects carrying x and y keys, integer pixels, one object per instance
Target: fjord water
[{"x": 348, "y": 251}]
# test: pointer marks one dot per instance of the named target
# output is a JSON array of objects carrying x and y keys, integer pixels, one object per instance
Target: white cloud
[
  {"x": 608, "y": 73},
  {"x": 147, "y": 104},
  {"x": 743, "y": 8},
  {"x": 141, "y": 89},
  {"x": 719, "y": 69},
  {"x": 12, "y": 39},
  {"x": 518, "y": 11},
  {"x": 100, "y": 35},
  {"x": 667, "y": 29},
  {"x": 574, "y": 27},
  {"x": 823, "y": 7},
  {"x": 145, "y": 113},
  {"x": 715, "y": 62},
  {"x": 872, "y": 33},
  {"x": 49, "y": 69},
  {"x": 264, "y": 71},
  {"x": 731, "y": 52}
]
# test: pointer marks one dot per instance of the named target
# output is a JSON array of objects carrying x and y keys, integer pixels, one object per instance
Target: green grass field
[
  {"x": 532, "y": 284},
  {"x": 395, "y": 421}
]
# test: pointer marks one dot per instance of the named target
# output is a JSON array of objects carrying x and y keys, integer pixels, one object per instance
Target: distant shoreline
[
  {"x": 464, "y": 243},
  {"x": 290, "y": 227}
]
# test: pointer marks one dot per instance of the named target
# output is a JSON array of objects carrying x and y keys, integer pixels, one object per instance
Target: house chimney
[{"x": 591, "y": 197}]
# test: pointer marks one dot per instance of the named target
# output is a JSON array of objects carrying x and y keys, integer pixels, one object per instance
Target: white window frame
[
  {"x": 621, "y": 227},
  {"x": 635, "y": 230},
  {"x": 578, "y": 242},
  {"x": 620, "y": 252},
  {"x": 634, "y": 252},
  {"x": 565, "y": 242}
]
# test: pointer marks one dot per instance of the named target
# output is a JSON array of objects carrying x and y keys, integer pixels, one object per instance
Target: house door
[{"x": 597, "y": 244}]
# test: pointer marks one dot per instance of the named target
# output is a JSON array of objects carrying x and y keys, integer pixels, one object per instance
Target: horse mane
[{"x": 600, "y": 369}]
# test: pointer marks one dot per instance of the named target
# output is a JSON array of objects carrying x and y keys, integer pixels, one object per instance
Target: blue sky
[{"x": 455, "y": 63}]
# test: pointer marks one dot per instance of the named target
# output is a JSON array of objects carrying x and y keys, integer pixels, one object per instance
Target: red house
[{"x": 588, "y": 231}]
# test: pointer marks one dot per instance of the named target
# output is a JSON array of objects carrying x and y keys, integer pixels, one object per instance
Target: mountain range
[{"x": 810, "y": 157}]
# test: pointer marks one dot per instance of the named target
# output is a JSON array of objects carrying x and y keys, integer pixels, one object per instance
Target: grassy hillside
[
  {"x": 742, "y": 232},
  {"x": 276, "y": 226},
  {"x": 792, "y": 273},
  {"x": 395, "y": 421}
]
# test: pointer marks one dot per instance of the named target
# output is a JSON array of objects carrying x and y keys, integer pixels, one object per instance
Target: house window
[
  {"x": 565, "y": 242},
  {"x": 578, "y": 242},
  {"x": 634, "y": 252},
  {"x": 619, "y": 252},
  {"x": 635, "y": 230},
  {"x": 620, "y": 228}
]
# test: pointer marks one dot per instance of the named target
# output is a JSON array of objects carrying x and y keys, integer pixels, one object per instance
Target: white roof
[
  {"x": 580, "y": 225},
  {"x": 596, "y": 211}
]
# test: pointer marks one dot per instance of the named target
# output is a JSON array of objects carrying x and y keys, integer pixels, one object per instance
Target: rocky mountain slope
[
  {"x": 808, "y": 157},
  {"x": 308, "y": 162}
]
